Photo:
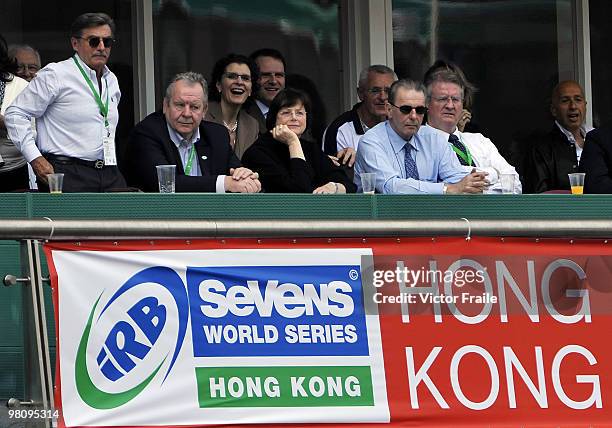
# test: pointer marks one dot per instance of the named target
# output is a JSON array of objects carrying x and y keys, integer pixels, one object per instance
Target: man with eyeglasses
[
  {"x": 473, "y": 150},
  {"x": 204, "y": 159},
  {"x": 75, "y": 105},
  {"x": 271, "y": 81},
  {"x": 28, "y": 60},
  {"x": 408, "y": 158},
  {"x": 342, "y": 136}
]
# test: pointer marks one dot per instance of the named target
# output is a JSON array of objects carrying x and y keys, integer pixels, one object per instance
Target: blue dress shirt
[{"x": 381, "y": 150}]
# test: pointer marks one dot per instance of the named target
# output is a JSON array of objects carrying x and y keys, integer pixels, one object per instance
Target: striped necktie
[
  {"x": 409, "y": 163},
  {"x": 454, "y": 140}
]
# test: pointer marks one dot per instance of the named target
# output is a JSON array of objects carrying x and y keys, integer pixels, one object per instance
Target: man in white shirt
[
  {"x": 75, "y": 105},
  {"x": 445, "y": 105}
]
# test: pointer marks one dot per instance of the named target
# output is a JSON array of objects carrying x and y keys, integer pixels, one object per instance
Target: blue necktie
[
  {"x": 409, "y": 163},
  {"x": 454, "y": 140}
]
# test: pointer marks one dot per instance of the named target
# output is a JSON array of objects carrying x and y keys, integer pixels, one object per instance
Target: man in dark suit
[
  {"x": 271, "y": 64},
  {"x": 596, "y": 161},
  {"x": 556, "y": 154},
  {"x": 178, "y": 136}
]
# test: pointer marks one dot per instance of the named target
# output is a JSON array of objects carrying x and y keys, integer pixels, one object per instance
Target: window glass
[
  {"x": 508, "y": 49},
  {"x": 601, "y": 61},
  {"x": 193, "y": 35}
]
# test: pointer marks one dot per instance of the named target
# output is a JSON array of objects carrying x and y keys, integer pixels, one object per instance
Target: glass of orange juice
[{"x": 577, "y": 182}]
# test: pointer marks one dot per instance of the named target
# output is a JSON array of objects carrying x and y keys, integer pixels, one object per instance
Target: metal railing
[{"x": 67, "y": 229}]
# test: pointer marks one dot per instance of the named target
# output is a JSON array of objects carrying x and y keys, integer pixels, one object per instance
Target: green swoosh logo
[{"x": 89, "y": 393}]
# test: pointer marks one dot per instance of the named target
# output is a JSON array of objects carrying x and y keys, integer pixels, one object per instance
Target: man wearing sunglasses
[
  {"x": 75, "y": 105},
  {"x": 445, "y": 93},
  {"x": 407, "y": 158}
]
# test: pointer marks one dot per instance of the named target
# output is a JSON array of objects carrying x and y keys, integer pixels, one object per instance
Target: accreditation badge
[{"x": 110, "y": 158}]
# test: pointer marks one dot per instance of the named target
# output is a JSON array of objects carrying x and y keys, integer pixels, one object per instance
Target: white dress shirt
[
  {"x": 487, "y": 158},
  {"x": 584, "y": 129},
  {"x": 68, "y": 119}
]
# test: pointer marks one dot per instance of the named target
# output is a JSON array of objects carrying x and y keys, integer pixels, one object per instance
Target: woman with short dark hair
[
  {"x": 232, "y": 82},
  {"x": 286, "y": 163}
]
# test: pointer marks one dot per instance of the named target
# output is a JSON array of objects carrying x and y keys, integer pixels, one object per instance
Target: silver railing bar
[{"x": 110, "y": 229}]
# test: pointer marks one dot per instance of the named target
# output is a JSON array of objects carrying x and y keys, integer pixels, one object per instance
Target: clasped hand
[{"x": 242, "y": 180}]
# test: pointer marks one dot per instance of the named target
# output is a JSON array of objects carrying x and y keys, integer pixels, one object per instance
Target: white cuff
[{"x": 220, "y": 186}]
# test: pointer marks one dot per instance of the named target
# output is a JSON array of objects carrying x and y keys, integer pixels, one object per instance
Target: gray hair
[
  {"x": 88, "y": 20},
  {"x": 192, "y": 78},
  {"x": 377, "y": 68},
  {"x": 405, "y": 84},
  {"x": 14, "y": 48},
  {"x": 444, "y": 76}
]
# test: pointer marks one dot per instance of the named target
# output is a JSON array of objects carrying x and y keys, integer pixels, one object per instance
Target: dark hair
[
  {"x": 8, "y": 65},
  {"x": 272, "y": 53},
  {"x": 88, "y": 20},
  {"x": 286, "y": 98},
  {"x": 433, "y": 74},
  {"x": 219, "y": 69}
]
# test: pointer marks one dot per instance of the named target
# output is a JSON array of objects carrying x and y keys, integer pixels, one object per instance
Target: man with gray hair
[
  {"x": 407, "y": 158},
  {"x": 342, "y": 135},
  {"x": 28, "y": 60},
  {"x": 75, "y": 104},
  {"x": 201, "y": 151},
  {"x": 445, "y": 94}
]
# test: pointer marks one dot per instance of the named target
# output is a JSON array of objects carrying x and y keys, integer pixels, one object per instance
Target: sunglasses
[
  {"x": 94, "y": 42},
  {"x": 420, "y": 110}
]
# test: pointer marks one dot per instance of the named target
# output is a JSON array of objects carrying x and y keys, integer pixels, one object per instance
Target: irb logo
[
  {"x": 130, "y": 352},
  {"x": 121, "y": 348}
]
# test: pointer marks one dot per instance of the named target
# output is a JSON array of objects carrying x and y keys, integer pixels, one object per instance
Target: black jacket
[
  {"x": 279, "y": 173},
  {"x": 150, "y": 145},
  {"x": 551, "y": 158},
  {"x": 596, "y": 160}
]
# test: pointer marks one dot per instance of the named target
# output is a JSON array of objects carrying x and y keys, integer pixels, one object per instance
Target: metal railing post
[{"x": 38, "y": 375}]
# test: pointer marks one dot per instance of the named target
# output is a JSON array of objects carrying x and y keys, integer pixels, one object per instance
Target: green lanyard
[
  {"x": 467, "y": 156},
  {"x": 190, "y": 160},
  {"x": 103, "y": 108}
]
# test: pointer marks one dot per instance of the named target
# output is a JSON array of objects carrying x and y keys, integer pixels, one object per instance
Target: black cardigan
[{"x": 279, "y": 173}]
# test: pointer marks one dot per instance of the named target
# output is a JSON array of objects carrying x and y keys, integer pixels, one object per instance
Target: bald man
[{"x": 558, "y": 153}]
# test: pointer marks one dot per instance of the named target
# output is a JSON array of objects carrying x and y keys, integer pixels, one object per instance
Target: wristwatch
[{"x": 444, "y": 188}]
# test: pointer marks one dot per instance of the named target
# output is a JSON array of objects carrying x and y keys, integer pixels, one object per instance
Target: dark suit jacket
[
  {"x": 279, "y": 173},
  {"x": 551, "y": 158},
  {"x": 596, "y": 160},
  {"x": 251, "y": 107},
  {"x": 150, "y": 145}
]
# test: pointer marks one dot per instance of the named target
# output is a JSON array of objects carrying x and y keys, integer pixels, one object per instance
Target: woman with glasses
[
  {"x": 13, "y": 166},
  {"x": 230, "y": 85},
  {"x": 288, "y": 163}
]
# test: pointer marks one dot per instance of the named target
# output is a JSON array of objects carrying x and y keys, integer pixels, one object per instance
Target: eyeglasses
[
  {"x": 420, "y": 110},
  {"x": 235, "y": 76},
  {"x": 443, "y": 100},
  {"x": 94, "y": 41},
  {"x": 272, "y": 75},
  {"x": 376, "y": 90},
  {"x": 287, "y": 113},
  {"x": 32, "y": 68}
]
